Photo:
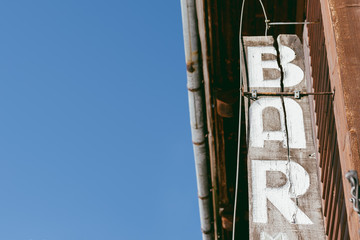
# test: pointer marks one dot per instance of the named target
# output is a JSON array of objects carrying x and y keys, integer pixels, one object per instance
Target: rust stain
[
  {"x": 224, "y": 109},
  {"x": 198, "y": 143},
  {"x": 226, "y": 218},
  {"x": 194, "y": 89},
  {"x": 206, "y": 232},
  {"x": 203, "y": 198},
  {"x": 189, "y": 67},
  {"x": 226, "y": 222}
]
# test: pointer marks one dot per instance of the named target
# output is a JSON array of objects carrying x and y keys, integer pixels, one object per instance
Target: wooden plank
[{"x": 284, "y": 197}]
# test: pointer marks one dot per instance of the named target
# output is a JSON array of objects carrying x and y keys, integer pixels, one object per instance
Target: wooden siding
[{"x": 325, "y": 132}]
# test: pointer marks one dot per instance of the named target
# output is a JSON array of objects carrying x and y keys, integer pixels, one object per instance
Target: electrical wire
[
  {"x": 266, "y": 19},
  {"x": 240, "y": 104},
  {"x": 239, "y": 129}
]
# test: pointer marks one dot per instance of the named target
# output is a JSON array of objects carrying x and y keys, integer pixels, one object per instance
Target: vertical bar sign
[{"x": 284, "y": 194}]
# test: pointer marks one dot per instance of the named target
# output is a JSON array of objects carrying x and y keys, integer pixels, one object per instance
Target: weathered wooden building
[{"x": 222, "y": 111}]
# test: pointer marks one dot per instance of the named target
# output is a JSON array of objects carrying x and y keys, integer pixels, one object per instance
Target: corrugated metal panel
[{"x": 334, "y": 209}]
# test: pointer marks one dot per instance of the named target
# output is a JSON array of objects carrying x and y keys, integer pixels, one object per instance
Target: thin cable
[
  {"x": 240, "y": 104},
  {"x": 239, "y": 130},
  {"x": 291, "y": 23},
  {"x": 266, "y": 19}
]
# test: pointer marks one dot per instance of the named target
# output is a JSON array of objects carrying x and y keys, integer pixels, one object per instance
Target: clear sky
[{"x": 95, "y": 140}]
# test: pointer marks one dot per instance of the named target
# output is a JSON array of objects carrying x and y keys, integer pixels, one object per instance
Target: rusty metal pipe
[
  {"x": 196, "y": 107},
  {"x": 287, "y": 93},
  {"x": 291, "y": 23}
]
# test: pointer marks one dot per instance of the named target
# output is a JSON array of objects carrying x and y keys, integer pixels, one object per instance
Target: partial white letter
[
  {"x": 293, "y": 74},
  {"x": 298, "y": 182},
  {"x": 279, "y": 236},
  {"x": 295, "y": 123},
  {"x": 256, "y": 66}
]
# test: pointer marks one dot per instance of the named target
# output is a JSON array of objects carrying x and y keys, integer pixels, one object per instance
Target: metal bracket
[
  {"x": 297, "y": 95},
  {"x": 352, "y": 176},
  {"x": 253, "y": 94}
]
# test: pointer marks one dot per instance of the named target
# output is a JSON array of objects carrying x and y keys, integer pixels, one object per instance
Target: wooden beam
[{"x": 341, "y": 21}]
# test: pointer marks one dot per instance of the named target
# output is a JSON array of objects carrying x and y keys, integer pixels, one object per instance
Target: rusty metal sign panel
[{"x": 284, "y": 194}]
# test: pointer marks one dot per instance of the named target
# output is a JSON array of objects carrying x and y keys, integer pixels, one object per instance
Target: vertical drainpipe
[{"x": 196, "y": 107}]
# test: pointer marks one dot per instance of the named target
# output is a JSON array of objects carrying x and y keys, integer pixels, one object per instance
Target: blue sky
[{"x": 94, "y": 138}]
